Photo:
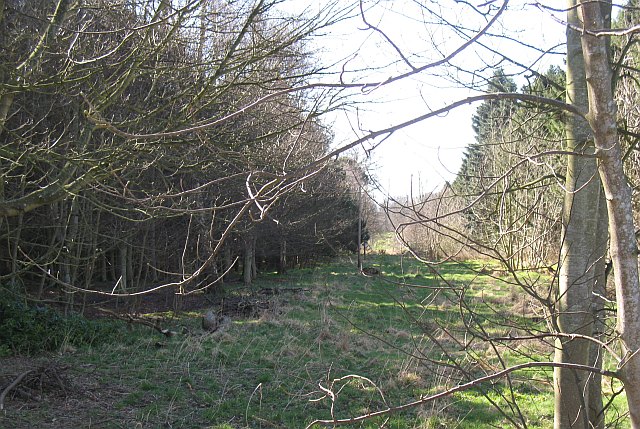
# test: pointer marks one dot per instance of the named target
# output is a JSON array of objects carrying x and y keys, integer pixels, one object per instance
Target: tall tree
[
  {"x": 580, "y": 250},
  {"x": 602, "y": 118}
]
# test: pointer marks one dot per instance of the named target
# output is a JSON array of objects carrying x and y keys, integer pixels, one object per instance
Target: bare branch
[{"x": 462, "y": 388}]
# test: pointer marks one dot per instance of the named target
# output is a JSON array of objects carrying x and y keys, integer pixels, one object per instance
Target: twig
[{"x": 11, "y": 386}]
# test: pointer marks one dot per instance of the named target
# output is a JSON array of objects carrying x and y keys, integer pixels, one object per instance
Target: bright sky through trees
[{"x": 426, "y": 155}]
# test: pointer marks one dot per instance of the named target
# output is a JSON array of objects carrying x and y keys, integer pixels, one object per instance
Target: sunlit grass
[{"x": 265, "y": 371}]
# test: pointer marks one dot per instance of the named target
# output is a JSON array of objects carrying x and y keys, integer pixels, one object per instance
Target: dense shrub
[{"x": 32, "y": 329}]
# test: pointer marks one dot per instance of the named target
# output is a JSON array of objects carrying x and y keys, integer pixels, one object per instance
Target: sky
[{"x": 422, "y": 157}]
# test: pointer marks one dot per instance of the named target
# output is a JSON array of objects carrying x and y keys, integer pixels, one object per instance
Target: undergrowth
[{"x": 34, "y": 329}]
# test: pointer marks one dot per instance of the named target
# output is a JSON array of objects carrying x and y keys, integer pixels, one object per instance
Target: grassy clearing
[{"x": 265, "y": 372}]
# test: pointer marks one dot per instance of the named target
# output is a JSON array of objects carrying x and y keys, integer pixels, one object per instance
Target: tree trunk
[
  {"x": 226, "y": 261},
  {"x": 577, "y": 255},
  {"x": 360, "y": 231},
  {"x": 254, "y": 265},
  {"x": 624, "y": 247},
  {"x": 153, "y": 256},
  {"x": 53, "y": 235},
  {"x": 104, "y": 276},
  {"x": 15, "y": 244},
  {"x": 282, "y": 260},
  {"x": 596, "y": 407},
  {"x": 124, "y": 274},
  {"x": 141, "y": 276},
  {"x": 247, "y": 266}
]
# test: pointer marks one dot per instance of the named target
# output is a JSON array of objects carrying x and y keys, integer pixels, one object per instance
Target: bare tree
[{"x": 79, "y": 80}]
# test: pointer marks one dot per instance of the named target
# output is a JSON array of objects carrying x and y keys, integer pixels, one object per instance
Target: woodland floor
[
  {"x": 286, "y": 336},
  {"x": 75, "y": 396}
]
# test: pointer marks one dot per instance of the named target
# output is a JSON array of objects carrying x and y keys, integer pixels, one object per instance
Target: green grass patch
[{"x": 403, "y": 333}]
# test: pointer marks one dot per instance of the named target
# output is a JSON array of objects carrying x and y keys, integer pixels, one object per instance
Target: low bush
[{"x": 32, "y": 329}]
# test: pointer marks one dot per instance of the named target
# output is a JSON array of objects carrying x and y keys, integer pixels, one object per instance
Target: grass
[{"x": 267, "y": 372}]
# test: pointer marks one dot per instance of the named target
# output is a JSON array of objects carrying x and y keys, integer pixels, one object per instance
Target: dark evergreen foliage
[{"x": 512, "y": 133}]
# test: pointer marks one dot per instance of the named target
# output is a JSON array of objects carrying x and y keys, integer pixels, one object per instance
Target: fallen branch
[
  {"x": 277, "y": 291},
  {"x": 13, "y": 384},
  {"x": 130, "y": 318}
]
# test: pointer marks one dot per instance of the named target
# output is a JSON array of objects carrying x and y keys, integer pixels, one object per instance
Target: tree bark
[
  {"x": 360, "y": 230},
  {"x": 624, "y": 247},
  {"x": 596, "y": 406},
  {"x": 282, "y": 260},
  {"x": 578, "y": 254},
  {"x": 247, "y": 266},
  {"x": 254, "y": 265},
  {"x": 123, "y": 265},
  {"x": 226, "y": 261},
  {"x": 15, "y": 244}
]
